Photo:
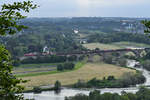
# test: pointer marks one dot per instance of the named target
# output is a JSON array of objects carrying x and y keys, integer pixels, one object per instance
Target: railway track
[{"x": 90, "y": 52}]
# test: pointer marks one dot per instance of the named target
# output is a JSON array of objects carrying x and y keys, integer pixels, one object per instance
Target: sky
[{"x": 89, "y": 8}]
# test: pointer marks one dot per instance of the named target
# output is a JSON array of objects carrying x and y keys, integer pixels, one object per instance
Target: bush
[
  {"x": 57, "y": 86},
  {"x": 142, "y": 94},
  {"x": 108, "y": 59},
  {"x": 60, "y": 67},
  {"x": 45, "y": 59},
  {"x": 65, "y": 66},
  {"x": 69, "y": 66},
  {"x": 37, "y": 90},
  {"x": 132, "y": 79},
  {"x": 111, "y": 78},
  {"x": 16, "y": 63},
  {"x": 146, "y": 64},
  {"x": 80, "y": 84},
  {"x": 126, "y": 80},
  {"x": 122, "y": 62},
  {"x": 72, "y": 58}
]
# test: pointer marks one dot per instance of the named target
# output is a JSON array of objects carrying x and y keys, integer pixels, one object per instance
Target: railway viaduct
[
  {"x": 91, "y": 53},
  {"x": 136, "y": 51}
]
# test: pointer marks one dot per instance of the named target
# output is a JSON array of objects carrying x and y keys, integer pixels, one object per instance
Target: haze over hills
[{"x": 65, "y": 34}]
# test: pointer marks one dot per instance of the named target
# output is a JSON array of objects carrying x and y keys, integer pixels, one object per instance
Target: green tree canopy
[{"x": 10, "y": 14}]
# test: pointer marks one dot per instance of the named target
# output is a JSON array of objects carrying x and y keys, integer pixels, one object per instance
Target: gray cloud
[{"x": 61, "y": 8}]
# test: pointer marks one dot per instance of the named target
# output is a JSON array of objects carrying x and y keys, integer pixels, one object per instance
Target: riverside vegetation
[
  {"x": 126, "y": 80},
  {"x": 142, "y": 94}
]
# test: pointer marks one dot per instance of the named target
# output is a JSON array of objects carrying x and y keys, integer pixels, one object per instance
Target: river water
[{"x": 51, "y": 95}]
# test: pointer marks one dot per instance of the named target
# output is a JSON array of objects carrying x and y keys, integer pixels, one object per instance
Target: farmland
[
  {"x": 86, "y": 72},
  {"x": 115, "y": 45}
]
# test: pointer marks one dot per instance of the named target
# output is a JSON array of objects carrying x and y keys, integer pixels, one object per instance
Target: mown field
[
  {"x": 101, "y": 46},
  {"x": 130, "y": 44},
  {"x": 41, "y": 72},
  {"x": 34, "y": 68},
  {"x": 86, "y": 72},
  {"x": 116, "y": 45}
]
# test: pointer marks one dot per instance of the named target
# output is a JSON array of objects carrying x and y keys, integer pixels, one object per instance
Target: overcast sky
[{"x": 91, "y": 8}]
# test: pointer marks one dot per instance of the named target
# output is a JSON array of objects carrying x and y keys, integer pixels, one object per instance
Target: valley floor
[{"x": 86, "y": 72}]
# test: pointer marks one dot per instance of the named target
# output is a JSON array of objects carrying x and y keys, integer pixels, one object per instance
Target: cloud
[
  {"x": 57, "y": 8},
  {"x": 105, "y": 3}
]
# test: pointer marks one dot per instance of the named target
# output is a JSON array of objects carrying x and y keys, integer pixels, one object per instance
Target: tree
[
  {"x": 69, "y": 66},
  {"x": 122, "y": 62},
  {"x": 80, "y": 84},
  {"x": 94, "y": 95},
  {"x": 111, "y": 78},
  {"x": 147, "y": 56},
  {"x": 8, "y": 82},
  {"x": 108, "y": 59},
  {"x": 10, "y": 14},
  {"x": 60, "y": 67},
  {"x": 146, "y": 64},
  {"x": 57, "y": 87},
  {"x": 143, "y": 94},
  {"x": 146, "y": 23}
]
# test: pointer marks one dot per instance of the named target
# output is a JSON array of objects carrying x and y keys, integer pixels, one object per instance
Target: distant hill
[{"x": 63, "y": 34}]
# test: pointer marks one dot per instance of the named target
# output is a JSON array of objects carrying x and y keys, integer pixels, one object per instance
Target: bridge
[{"x": 136, "y": 51}]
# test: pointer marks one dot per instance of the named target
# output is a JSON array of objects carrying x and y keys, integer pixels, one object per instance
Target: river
[{"x": 51, "y": 95}]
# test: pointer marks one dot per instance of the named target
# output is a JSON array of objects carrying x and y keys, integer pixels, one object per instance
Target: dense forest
[
  {"x": 117, "y": 37},
  {"x": 59, "y": 36}
]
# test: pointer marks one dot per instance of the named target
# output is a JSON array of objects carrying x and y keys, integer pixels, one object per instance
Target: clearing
[
  {"x": 101, "y": 46},
  {"x": 115, "y": 45},
  {"x": 130, "y": 44}
]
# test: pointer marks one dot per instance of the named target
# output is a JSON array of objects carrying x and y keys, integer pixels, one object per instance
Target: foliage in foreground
[
  {"x": 9, "y": 15},
  {"x": 9, "y": 83}
]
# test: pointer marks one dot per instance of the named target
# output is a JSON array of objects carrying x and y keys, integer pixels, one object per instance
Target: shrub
[
  {"x": 111, "y": 78},
  {"x": 37, "y": 90},
  {"x": 57, "y": 86},
  {"x": 146, "y": 64},
  {"x": 69, "y": 66},
  {"x": 16, "y": 63},
  {"x": 60, "y": 67},
  {"x": 80, "y": 84}
]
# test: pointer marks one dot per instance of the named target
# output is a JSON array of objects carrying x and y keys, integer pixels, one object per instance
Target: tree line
[
  {"x": 126, "y": 80},
  {"x": 45, "y": 59},
  {"x": 118, "y": 37},
  {"x": 65, "y": 66},
  {"x": 142, "y": 94}
]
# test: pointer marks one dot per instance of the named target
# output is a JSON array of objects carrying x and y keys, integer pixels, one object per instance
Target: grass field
[
  {"x": 130, "y": 44},
  {"x": 77, "y": 66},
  {"x": 92, "y": 46},
  {"x": 87, "y": 72},
  {"x": 34, "y": 68},
  {"x": 83, "y": 35},
  {"x": 37, "y": 65},
  {"x": 116, "y": 45}
]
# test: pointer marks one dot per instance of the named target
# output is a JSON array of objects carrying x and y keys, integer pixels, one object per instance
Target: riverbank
[{"x": 66, "y": 92}]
